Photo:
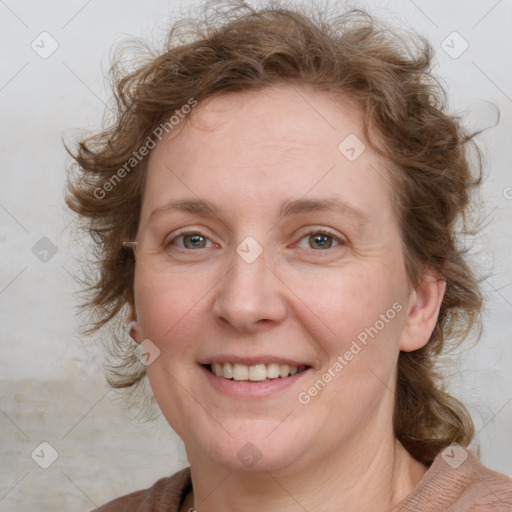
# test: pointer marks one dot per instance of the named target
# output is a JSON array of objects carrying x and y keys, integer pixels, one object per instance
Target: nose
[{"x": 250, "y": 295}]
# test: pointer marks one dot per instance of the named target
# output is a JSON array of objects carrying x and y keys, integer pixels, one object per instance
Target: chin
[{"x": 264, "y": 447}]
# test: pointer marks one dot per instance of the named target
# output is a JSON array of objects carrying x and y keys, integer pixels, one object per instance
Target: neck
[{"x": 376, "y": 476}]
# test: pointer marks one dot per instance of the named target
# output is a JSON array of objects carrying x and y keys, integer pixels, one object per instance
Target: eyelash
[{"x": 317, "y": 231}]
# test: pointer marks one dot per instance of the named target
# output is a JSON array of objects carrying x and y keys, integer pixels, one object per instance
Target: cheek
[
  {"x": 165, "y": 303},
  {"x": 354, "y": 302},
  {"x": 365, "y": 312}
]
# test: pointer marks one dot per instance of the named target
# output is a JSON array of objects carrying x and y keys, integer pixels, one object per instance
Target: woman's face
[{"x": 299, "y": 264}]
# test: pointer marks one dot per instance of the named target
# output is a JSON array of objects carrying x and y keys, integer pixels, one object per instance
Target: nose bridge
[{"x": 249, "y": 292}]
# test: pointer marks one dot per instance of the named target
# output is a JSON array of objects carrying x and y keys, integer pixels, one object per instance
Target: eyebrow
[{"x": 288, "y": 208}]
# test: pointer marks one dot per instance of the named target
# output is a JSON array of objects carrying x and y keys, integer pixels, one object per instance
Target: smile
[{"x": 260, "y": 372}]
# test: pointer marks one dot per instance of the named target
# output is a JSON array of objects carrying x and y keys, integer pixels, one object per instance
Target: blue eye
[
  {"x": 323, "y": 239},
  {"x": 318, "y": 239},
  {"x": 191, "y": 240}
]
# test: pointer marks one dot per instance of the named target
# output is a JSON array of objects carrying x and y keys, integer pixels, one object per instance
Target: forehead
[
  {"x": 286, "y": 118},
  {"x": 256, "y": 147}
]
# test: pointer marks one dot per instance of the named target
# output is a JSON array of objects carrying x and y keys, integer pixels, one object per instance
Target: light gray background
[{"x": 52, "y": 384}]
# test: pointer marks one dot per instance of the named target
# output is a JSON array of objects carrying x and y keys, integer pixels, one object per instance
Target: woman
[{"x": 275, "y": 211}]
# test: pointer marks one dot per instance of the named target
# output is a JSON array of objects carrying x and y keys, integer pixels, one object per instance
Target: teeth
[
  {"x": 272, "y": 371},
  {"x": 256, "y": 373},
  {"x": 240, "y": 371},
  {"x": 227, "y": 371},
  {"x": 217, "y": 369}
]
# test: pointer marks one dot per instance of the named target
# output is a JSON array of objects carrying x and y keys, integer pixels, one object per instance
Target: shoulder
[
  {"x": 458, "y": 481},
  {"x": 488, "y": 489},
  {"x": 165, "y": 495}
]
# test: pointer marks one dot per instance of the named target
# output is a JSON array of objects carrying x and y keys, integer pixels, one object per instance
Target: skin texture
[{"x": 247, "y": 152}]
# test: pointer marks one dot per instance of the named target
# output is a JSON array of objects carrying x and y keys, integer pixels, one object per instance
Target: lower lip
[{"x": 245, "y": 389}]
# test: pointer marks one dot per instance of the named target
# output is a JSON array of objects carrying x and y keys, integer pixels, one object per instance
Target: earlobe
[
  {"x": 423, "y": 312},
  {"x": 133, "y": 327},
  {"x": 134, "y": 331}
]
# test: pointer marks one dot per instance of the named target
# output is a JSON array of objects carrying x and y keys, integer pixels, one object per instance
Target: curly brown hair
[{"x": 235, "y": 47}]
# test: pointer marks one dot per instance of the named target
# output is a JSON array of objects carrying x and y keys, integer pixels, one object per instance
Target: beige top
[{"x": 445, "y": 487}]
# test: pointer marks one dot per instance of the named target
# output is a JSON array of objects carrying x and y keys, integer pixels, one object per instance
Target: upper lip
[{"x": 251, "y": 360}]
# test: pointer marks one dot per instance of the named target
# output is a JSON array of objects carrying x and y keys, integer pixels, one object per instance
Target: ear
[
  {"x": 422, "y": 312},
  {"x": 134, "y": 328}
]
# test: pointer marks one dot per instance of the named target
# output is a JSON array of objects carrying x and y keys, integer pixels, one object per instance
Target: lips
[{"x": 259, "y": 389}]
